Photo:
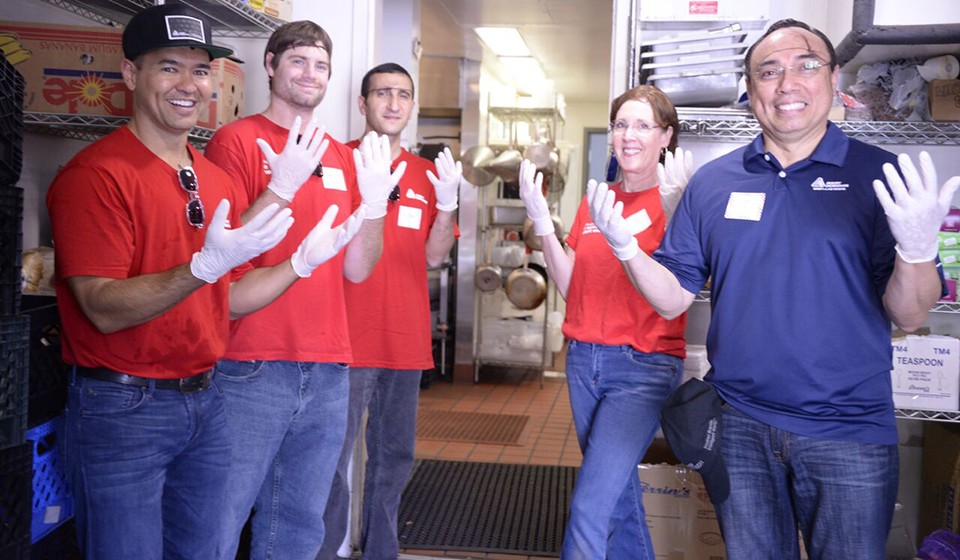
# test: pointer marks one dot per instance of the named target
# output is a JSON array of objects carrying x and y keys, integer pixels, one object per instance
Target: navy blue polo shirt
[{"x": 799, "y": 260}]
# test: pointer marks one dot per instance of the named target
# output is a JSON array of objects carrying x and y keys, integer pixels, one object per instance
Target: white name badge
[
  {"x": 333, "y": 179},
  {"x": 409, "y": 217},
  {"x": 638, "y": 222},
  {"x": 745, "y": 206}
]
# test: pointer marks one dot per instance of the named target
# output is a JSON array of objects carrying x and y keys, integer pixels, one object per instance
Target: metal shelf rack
[
  {"x": 90, "y": 127},
  {"x": 724, "y": 125},
  {"x": 232, "y": 18}
]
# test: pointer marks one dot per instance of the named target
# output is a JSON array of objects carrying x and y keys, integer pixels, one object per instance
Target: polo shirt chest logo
[{"x": 820, "y": 185}]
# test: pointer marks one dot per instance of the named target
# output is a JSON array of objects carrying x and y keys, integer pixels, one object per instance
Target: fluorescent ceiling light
[
  {"x": 525, "y": 67},
  {"x": 503, "y": 41}
]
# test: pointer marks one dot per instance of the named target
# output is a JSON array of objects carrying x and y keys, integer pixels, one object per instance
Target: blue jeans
[
  {"x": 390, "y": 397},
  {"x": 841, "y": 494},
  {"x": 147, "y": 468},
  {"x": 616, "y": 393},
  {"x": 286, "y": 422}
]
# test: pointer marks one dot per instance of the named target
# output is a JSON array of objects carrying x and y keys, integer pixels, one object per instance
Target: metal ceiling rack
[
  {"x": 232, "y": 18},
  {"x": 724, "y": 125},
  {"x": 90, "y": 127}
]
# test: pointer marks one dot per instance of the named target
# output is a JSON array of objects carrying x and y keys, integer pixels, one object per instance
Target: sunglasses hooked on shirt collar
[
  {"x": 395, "y": 193},
  {"x": 188, "y": 182}
]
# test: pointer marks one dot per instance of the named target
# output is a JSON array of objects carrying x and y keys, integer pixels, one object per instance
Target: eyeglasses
[
  {"x": 806, "y": 69},
  {"x": 387, "y": 92},
  {"x": 188, "y": 182},
  {"x": 619, "y": 127}
]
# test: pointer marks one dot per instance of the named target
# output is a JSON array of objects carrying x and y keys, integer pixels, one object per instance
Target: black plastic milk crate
[
  {"x": 48, "y": 373},
  {"x": 12, "y": 87},
  {"x": 16, "y": 471},
  {"x": 14, "y": 373},
  {"x": 52, "y": 500},
  {"x": 11, "y": 247}
]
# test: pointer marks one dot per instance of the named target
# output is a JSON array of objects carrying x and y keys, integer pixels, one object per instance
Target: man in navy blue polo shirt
[{"x": 807, "y": 275}]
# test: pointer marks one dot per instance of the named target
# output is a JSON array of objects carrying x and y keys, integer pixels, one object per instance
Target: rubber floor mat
[
  {"x": 471, "y": 427},
  {"x": 488, "y": 507}
]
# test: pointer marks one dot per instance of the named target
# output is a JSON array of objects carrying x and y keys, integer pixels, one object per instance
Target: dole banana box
[
  {"x": 76, "y": 70},
  {"x": 68, "y": 69}
]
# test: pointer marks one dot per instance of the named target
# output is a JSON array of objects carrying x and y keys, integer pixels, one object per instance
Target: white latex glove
[
  {"x": 607, "y": 215},
  {"x": 324, "y": 242},
  {"x": 374, "y": 177},
  {"x": 673, "y": 175},
  {"x": 224, "y": 248},
  {"x": 290, "y": 169},
  {"x": 447, "y": 186},
  {"x": 531, "y": 193},
  {"x": 917, "y": 209}
]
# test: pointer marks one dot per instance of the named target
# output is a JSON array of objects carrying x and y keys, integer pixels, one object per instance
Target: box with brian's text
[
  {"x": 680, "y": 517},
  {"x": 926, "y": 373}
]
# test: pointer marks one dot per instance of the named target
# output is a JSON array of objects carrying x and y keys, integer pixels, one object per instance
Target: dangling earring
[{"x": 663, "y": 152}]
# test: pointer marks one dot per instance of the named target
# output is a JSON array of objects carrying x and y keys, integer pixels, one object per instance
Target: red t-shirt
[
  {"x": 118, "y": 211},
  {"x": 603, "y": 307},
  {"x": 390, "y": 311},
  {"x": 308, "y": 322}
]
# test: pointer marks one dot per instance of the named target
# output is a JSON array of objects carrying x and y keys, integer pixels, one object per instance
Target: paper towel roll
[{"x": 943, "y": 67}]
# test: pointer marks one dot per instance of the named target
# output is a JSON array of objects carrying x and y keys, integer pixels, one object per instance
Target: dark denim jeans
[
  {"x": 390, "y": 398},
  {"x": 286, "y": 421},
  {"x": 147, "y": 469},
  {"x": 616, "y": 394},
  {"x": 841, "y": 494}
]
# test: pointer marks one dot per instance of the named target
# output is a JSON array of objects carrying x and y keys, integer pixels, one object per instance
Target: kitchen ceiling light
[
  {"x": 503, "y": 41},
  {"x": 525, "y": 67}
]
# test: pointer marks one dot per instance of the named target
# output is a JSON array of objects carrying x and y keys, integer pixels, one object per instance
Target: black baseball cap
[
  {"x": 691, "y": 423},
  {"x": 170, "y": 25}
]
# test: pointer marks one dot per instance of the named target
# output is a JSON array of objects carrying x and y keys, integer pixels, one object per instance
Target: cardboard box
[
  {"x": 76, "y": 70},
  {"x": 680, "y": 516},
  {"x": 226, "y": 101},
  {"x": 280, "y": 9},
  {"x": 926, "y": 373},
  {"x": 940, "y": 483},
  {"x": 68, "y": 69},
  {"x": 945, "y": 100}
]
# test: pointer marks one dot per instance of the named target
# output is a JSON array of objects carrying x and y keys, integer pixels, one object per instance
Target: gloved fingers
[
  {"x": 915, "y": 186},
  {"x": 350, "y": 228},
  {"x": 220, "y": 219},
  {"x": 527, "y": 171},
  {"x": 890, "y": 207},
  {"x": 312, "y": 135},
  {"x": 326, "y": 221},
  {"x": 293, "y": 132},
  {"x": 687, "y": 157},
  {"x": 898, "y": 189},
  {"x": 262, "y": 217},
  {"x": 668, "y": 167},
  {"x": 434, "y": 180},
  {"x": 267, "y": 151},
  {"x": 446, "y": 165},
  {"x": 947, "y": 191},
  {"x": 929, "y": 174},
  {"x": 271, "y": 233},
  {"x": 398, "y": 172},
  {"x": 318, "y": 153}
]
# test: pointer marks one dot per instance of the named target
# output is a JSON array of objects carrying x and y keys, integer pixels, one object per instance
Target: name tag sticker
[
  {"x": 333, "y": 179},
  {"x": 745, "y": 206},
  {"x": 409, "y": 217},
  {"x": 638, "y": 222}
]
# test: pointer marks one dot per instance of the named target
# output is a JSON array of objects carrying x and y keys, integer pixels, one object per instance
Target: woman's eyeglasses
[{"x": 188, "y": 182}]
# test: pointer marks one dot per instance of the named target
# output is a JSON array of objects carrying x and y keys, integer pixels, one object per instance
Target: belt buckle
[{"x": 195, "y": 384}]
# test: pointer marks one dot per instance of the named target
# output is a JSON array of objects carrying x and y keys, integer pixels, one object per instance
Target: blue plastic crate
[
  {"x": 11, "y": 248},
  {"x": 52, "y": 500},
  {"x": 15, "y": 473},
  {"x": 14, "y": 374},
  {"x": 12, "y": 86}
]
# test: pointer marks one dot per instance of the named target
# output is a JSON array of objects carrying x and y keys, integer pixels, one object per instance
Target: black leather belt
[{"x": 192, "y": 384}]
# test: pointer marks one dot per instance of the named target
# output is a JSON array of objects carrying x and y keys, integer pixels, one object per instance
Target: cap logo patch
[{"x": 185, "y": 28}]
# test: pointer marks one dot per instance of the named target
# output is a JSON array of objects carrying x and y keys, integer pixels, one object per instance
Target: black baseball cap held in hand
[
  {"x": 691, "y": 422},
  {"x": 170, "y": 25}
]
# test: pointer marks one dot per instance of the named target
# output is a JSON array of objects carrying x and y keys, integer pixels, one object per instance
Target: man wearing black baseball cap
[
  {"x": 146, "y": 292},
  {"x": 169, "y": 25},
  {"x": 691, "y": 423}
]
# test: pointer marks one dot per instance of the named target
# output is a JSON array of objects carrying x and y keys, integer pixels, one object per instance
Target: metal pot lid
[
  {"x": 488, "y": 278},
  {"x": 526, "y": 288},
  {"x": 475, "y": 161},
  {"x": 507, "y": 164}
]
